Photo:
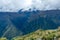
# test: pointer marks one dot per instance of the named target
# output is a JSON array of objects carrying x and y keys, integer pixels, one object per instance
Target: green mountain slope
[{"x": 40, "y": 35}]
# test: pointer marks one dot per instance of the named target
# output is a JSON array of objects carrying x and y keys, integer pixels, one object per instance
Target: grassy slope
[{"x": 39, "y": 34}]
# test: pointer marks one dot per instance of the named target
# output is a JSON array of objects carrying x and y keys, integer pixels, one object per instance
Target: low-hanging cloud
[{"x": 15, "y": 5}]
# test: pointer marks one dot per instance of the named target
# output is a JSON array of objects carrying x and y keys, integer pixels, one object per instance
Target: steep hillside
[
  {"x": 25, "y": 22},
  {"x": 41, "y": 35}
]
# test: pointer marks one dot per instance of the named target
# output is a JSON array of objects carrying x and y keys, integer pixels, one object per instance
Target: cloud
[
  {"x": 46, "y": 4},
  {"x": 15, "y": 5}
]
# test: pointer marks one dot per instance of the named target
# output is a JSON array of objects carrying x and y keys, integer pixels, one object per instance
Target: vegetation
[
  {"x": 3, "y": 38},
  {"x": 39, "y": 35}
]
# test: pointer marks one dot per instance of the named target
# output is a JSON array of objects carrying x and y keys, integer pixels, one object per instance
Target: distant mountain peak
[{"x": 28, "y": 10}]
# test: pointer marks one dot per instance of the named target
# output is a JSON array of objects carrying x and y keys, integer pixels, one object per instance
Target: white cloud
[
  {"x": 15, "y": 5},
  {"x": 47, "y": 4}
]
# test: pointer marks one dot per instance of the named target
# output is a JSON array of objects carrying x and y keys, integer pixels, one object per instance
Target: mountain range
[{"x": 19, "y": 23}]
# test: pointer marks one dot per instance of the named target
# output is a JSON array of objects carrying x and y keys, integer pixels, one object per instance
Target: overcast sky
[{"x": 15, "y": 5}]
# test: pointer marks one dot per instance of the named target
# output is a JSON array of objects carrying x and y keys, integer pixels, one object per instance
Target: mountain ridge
[{"x": 30, "y": 21}]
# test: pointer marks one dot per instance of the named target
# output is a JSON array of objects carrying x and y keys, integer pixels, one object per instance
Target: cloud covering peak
[{"x": 15, "y": 5}]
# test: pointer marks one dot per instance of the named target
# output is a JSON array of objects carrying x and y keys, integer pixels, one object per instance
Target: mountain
[
  {"x": 49, "y": 19},
  {"x": 23, "y": 22},
  {"x": 7, "y": 29}
]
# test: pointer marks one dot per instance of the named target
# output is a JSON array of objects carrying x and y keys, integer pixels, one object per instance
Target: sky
[{"x": 16, "y": 5}]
